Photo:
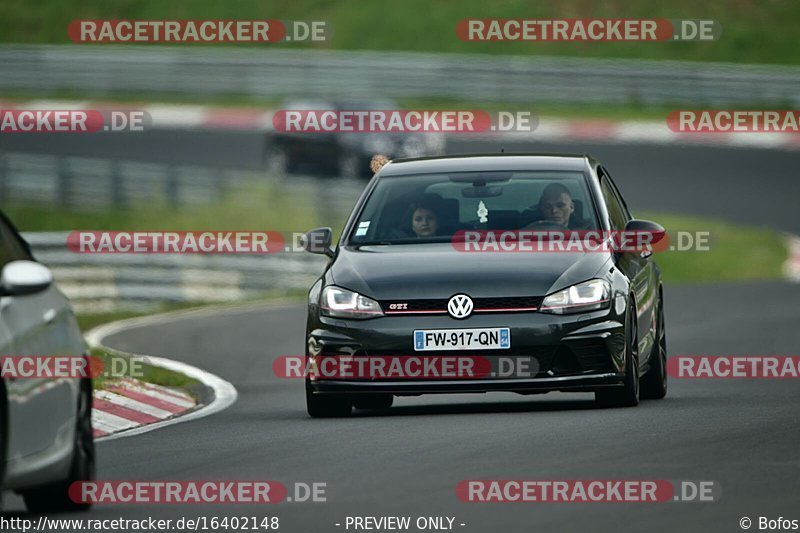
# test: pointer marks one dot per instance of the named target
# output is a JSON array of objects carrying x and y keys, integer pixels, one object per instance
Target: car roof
[{"x": 487, "y": 163}]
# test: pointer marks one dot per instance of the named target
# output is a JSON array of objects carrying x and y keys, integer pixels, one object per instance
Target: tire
[
  {"x": 327, "y": 405},
  {"x": 373, "y": 401},
  {"x": 54, "y": 498},
  {"x": 628, "y": 394},
  {"x": 654, "y": 383}
]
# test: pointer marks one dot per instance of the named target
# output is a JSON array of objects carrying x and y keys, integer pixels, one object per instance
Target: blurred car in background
[
  {"x": 344, "y": 154},
  {"x": 46, "y": 435}
]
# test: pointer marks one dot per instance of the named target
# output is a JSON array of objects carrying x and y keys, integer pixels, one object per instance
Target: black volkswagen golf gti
[{"x": 424, "y": 293}]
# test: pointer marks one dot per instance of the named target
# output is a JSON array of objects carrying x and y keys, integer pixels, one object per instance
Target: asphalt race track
[{"x": 742, "y": 434}]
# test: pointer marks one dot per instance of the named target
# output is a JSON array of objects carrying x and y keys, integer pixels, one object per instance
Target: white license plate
[{"x": 462, "y": 339}]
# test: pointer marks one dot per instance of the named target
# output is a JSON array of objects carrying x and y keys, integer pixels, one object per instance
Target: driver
[
  {"x": 556, "y": 204},
  {"x": 556, "y": 207}
]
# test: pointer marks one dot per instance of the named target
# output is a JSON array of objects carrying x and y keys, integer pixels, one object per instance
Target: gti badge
[{"x": 460, "y": 306}]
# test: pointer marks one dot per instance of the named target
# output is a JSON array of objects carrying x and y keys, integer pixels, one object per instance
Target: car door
[
  {"x": 636, "y": 265},
  {"x": 41, "y": 410}
]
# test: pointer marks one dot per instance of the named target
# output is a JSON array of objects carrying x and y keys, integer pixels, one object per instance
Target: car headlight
[
  {"x": 587, "y": 296},
  {"x": 341, "y": 303}
]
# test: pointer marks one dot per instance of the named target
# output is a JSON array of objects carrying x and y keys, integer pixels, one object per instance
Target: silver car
[{"x": 46, "y": 435}]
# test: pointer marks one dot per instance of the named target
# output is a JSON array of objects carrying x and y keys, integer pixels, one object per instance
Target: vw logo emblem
[{"x": 460, "y": 306}]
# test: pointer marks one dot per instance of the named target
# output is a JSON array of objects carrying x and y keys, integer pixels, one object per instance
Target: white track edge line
[
  {"x": 225, "y": 393},
  {"x": 224, "y": 396}
]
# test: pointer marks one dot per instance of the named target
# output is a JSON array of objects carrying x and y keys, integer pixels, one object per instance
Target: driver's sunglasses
[{"x": 557, "y": 205}]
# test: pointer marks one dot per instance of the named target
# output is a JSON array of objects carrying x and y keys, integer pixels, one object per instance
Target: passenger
[
  {"x": 422, "y": 218},
  {"x": 424, "y": 222}
]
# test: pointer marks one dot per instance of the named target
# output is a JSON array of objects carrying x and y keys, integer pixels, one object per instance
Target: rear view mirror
[
  {"x": 476, "y": 177},
  {"x": 482, "y": 192},
  {"x": 24, "y": 277},
  {"x": 318, "y": 241}
]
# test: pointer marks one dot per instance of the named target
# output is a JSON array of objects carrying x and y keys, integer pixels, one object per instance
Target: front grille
[
  {"x": 481, "y": 305},
  {"x": 513, "y": 302}
]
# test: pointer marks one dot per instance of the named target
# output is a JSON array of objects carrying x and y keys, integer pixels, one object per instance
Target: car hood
[{"x": 423, "y": 271}]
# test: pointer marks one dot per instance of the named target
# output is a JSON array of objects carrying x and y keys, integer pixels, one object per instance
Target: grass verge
[
  {"x": 256, "y": 206},
  {"x": 752, "y": 31},
  {"x": 735, "y": 252},
  {"x": 117, "y": 365}
]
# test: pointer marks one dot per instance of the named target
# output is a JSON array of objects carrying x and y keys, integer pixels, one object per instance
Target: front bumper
[
  {"x": 578, "y": 353},
  {"x": 584, "y": 383}
]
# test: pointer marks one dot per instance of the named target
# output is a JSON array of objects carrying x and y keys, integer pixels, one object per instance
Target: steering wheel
[{"x": 545, "y": 225}]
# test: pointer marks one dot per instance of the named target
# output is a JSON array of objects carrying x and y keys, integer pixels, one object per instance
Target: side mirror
[
  {"x": 318, "y": 241},
  {"x": 645, "y": 226},
  {"x": 640, "y": 235},
  {"x": 24, "y": 277}
]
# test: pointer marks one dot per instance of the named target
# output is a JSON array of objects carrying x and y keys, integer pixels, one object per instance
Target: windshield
[{"x": 433, "y": 207}]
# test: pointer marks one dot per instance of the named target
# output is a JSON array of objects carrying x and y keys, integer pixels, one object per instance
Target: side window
[
  {"x": 11, "y": 246},
  {"x": 619, "y": 196},
  {"x": 616, "y": 211}
]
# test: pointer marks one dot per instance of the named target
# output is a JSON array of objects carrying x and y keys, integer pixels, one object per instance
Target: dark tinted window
[
  {"x": 616, "y": 211},
  {"x": 621, "y": 198},
  {"x": 508, "y": 200}
]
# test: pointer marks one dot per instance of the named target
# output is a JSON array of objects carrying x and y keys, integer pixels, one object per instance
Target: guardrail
[
  {"x": 196, "y": 72},
  {"x": 91, "y": 183},
  {"x": 105, "y": 282},
  {"x": 102, "y": 282},
  {"x": 87, "y": 182}
]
